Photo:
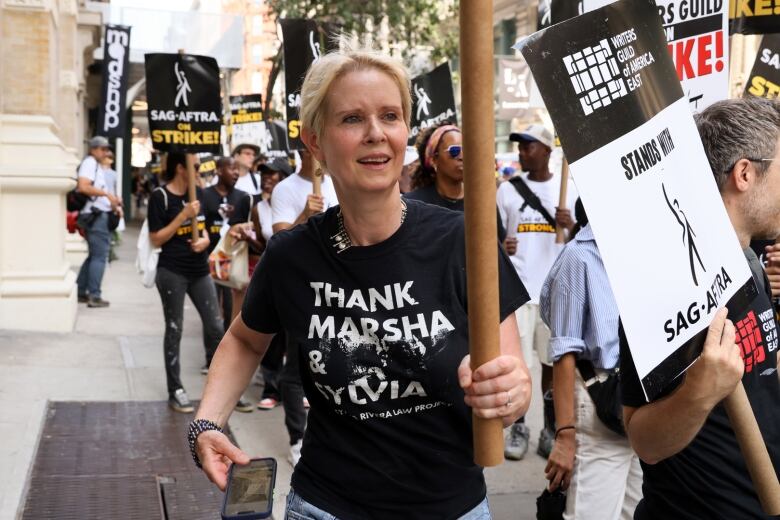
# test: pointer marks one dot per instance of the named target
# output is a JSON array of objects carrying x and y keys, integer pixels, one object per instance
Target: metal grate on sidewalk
[{"x": 126, "y": 460}]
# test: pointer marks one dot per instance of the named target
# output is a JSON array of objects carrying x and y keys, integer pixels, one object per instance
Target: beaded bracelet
[{"x": 197, "y": 427}]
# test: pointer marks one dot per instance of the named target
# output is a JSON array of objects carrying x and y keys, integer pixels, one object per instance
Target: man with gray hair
[
  {"x": 692, "y": 464},
  {"x": 93, "y": 219}
]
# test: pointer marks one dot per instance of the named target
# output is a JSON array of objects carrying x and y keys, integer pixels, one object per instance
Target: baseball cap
[
  {"x": 533, "y": 133},
  {"x": 277, "y": 165},
  {"x": 98, "y": 142}
]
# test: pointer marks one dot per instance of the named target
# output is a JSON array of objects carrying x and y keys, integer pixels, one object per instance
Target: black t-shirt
[
  {"x": 381, "y": 331},
  {"x": 236, "y": 206},
  {"x": 176, "y": 254},
  {"x": 709, "y": 479},
  {"x": 430, "y": 195}
]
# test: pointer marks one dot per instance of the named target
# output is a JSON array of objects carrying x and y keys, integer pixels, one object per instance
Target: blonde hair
[{"x": 330, "y": 67}]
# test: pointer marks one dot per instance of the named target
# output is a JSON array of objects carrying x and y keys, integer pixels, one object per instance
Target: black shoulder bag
[
  {"x": 531, "y": 199},
  {"x": 605, "y": 395}
]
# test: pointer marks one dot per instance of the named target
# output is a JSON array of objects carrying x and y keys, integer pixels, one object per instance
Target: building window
[
  {"x": 257, "y": 82},
  {"x": 504, "y": 36}
]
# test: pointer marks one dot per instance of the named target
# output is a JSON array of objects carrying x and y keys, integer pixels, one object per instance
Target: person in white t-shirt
[
  {"x": 294, "y": 201},
  {"x": 245, "y": 156},
  {"x": 531, "y": 245},
  {"x": 93, "y": 219}
]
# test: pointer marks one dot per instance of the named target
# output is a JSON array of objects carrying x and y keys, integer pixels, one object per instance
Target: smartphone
[{"x": 250, "y": 490}]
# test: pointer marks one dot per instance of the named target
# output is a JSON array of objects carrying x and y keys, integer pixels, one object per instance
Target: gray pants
[{"x": 172, "y": 288}]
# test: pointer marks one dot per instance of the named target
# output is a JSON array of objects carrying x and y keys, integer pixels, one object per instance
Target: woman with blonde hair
[{"x": 372, "y": 295}]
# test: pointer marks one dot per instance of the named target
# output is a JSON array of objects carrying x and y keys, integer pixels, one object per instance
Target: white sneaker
[{"x": 295, "y": 453}]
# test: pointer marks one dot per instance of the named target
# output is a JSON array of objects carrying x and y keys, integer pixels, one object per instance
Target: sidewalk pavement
[{"x": 115, "y": 354}]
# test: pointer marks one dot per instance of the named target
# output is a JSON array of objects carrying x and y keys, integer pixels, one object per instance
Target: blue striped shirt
[{"x": 577, "y": 304}]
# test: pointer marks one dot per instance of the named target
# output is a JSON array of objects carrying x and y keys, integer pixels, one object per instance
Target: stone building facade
[{"x": 45, "y": 49}]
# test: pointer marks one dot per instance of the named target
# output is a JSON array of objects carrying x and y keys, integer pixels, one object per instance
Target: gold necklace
[{"x": 341, "y": 240}]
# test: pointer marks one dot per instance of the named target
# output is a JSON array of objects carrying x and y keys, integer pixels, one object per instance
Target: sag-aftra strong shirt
[{"x": 381, "y": 331}]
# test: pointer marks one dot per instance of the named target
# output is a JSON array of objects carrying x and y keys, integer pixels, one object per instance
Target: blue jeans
[
  {"x": 98, "y": 242},
  {"x": 299, "y": 509}
]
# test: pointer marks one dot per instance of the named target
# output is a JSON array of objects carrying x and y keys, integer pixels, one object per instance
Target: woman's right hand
[
  {"x": 216, "y": 452},
  {"x": 561, "y": 461},
  {"x": 314, "y": 204},
  {"x": 191, "y": 209}
]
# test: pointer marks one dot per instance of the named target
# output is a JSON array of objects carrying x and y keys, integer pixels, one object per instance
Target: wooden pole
[
  {"x": 316, "y": 180},
  {"x": 757, "y": 460},
  {"x": 476, "y": 53},
  {"x": 192, "y": 194},
  {"x": 191, "y": 189},
  {"x": 560, "y": 234}
]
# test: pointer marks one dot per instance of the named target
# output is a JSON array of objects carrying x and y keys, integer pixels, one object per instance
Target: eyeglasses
[
  {"x": 751, "y": 160},
  {"x": 454, "y": 150}
]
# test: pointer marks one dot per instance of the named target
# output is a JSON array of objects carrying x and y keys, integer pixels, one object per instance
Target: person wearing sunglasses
[{"x": 438, "y": 179}]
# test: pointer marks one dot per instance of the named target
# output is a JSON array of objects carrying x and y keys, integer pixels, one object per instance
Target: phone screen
[{"x": 250, "y": 488}]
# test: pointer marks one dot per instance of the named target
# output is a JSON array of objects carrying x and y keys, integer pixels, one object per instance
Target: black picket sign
[
  {"x": 764, "y": 80},
  {"x": 275, "y": 142},
  {"x": 185, "y": 110},
  {"x": 591, "y": 66},
  {"x": 112, "y": 115},
  {"x": 304, "y": 42},
  {"x": 432, "y": 100},
  {"x": 753, "y": 17},
  {"x": 551, "y": 12}
]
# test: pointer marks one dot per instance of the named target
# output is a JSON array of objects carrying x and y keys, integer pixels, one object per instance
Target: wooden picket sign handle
[
  {"x": 560, "y": 233},
  {"x": 476, "y": 52},
  {"x": 316, "y": 181},
  {"x": 191, "y": 188},
  {"x": 192, "y": 192},
  {"x": 753, "y": 448}
]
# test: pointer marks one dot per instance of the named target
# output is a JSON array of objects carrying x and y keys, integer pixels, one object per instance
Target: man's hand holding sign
[
  {"x": 647, "y": 184},
  {"x": 710, "y": 379}
]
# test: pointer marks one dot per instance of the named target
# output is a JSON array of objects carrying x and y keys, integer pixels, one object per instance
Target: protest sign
[
  {"x": 764, "y": 80},
  {"x": 514, "y": 88},
  {"x": 613, "y": 94},
  {"x": 246, "y": 120},
  {"x": 697, "y": 39},
  {"x": 274, "y": 142},
  {"x": 112, "y": 114},
  {"x": 753, "y": 16},
  {"x": 432, "y": 100},
  {"x": 551, "y": 12},
  {"x": 185, "y": 110},
  {"x": 208, "y": 165},
  {"x": 304, "y": 42}
]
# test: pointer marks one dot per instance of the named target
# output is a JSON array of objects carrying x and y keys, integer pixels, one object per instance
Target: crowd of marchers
[{"x": 388, "y": 434}]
